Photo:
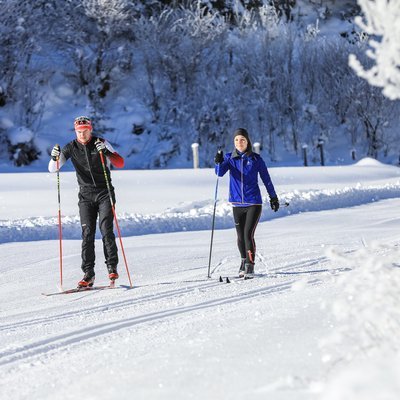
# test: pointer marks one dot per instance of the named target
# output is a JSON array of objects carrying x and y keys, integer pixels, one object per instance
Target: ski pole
[
  {"x": 59, "y": 217},
  {"x": 213, "y": 221},
  {"x": 114, "y": 213}
]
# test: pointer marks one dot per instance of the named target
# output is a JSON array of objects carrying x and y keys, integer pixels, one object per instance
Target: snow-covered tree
[
  {"x": 179, "y": 58},
  {"x": 381, "y": 21},
  {"x": 183, "y": 72},
  {"x": 98, "y": 32},
  {"x": 22, "y": 76}
]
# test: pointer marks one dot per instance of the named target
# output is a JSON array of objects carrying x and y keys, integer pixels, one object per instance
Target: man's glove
[
  {"x": 274, "y": 202},
  {"x": 219, "y": 157},
  {"x": 100, "y": 146},
  {"x": 55, "y": 153}
]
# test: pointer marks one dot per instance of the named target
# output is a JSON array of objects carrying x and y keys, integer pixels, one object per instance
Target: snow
[
  {"x": 297, "y": 331},
  {"x": 368, "y": 162},
  {"x": 381, "y": 22},
  {"x": 361, "y": 382},
  {"x": 21, "y": 135},
  {"x": 5, "y": 123}
]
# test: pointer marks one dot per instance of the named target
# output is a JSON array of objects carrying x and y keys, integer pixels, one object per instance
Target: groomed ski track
[{"x": 177, "y": 334}]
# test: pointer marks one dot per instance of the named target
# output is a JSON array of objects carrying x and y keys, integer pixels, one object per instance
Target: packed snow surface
[{"x": 287, "y": 334}]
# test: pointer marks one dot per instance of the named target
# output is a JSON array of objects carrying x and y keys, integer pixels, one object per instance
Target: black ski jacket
[{"x": 87, "y": 163}]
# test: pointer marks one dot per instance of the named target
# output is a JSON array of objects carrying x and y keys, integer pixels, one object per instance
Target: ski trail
[
  {"x": 110, "y": 306},
  {"x": 89, "y": 333},
  {"x": 201, "y": 283}
]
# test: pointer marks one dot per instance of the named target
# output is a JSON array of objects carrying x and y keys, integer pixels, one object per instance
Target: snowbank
[
  {"x": 364, "y": 349},
  {"x": 197, "y": 216}
]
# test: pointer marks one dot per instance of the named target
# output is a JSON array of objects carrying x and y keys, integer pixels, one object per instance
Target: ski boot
[
  {"x": 87, "y": 280},
  {"x": 241, "y": 269},
  {"x": 248, "y": 271},
  {"x": 112, "y": 273}
]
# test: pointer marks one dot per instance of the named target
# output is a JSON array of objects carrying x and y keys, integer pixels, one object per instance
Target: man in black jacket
[{"x": 93, "y": 195}]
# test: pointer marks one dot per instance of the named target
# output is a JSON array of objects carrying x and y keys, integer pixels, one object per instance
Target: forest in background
[{"x": 157, "y": 76}]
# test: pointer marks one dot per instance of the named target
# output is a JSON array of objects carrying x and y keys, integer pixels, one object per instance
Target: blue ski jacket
[{"x": 243, "y": 183}]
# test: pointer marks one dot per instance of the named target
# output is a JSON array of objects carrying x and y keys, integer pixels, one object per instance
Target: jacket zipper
[
  {"x": 90, "y": 169},
  {"x": 241, "y": 180}
]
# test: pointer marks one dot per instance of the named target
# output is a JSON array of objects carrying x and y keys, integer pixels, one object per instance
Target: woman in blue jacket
[{"x": 244, "y": 166}]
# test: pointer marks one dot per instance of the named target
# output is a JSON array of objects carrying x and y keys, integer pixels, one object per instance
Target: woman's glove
[
  {"x": 274, "y": 202},
  {"x": 219, "y": 157}
]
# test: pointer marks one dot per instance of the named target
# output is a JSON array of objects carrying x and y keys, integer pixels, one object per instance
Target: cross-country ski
[{"x": 82, "y": 289}]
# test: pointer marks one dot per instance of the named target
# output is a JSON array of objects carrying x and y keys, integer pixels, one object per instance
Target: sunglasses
[{"x": 82, "y": 121}]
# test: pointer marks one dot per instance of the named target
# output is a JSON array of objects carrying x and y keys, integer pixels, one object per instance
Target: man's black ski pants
[{"x": 92, "y": 203}]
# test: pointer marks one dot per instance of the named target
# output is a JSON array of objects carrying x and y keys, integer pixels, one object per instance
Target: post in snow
[
  {"x": 195, "y": 149},
  {"x": 321, "y": 150},
  {"x": 305, "y": 161}
]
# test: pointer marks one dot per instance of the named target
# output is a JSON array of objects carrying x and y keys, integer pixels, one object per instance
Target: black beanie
[{"x": 243, "y": 132}]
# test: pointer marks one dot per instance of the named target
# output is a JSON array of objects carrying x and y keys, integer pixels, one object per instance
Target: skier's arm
[
  {"x": 264, "y": 174},
  {"x": 53, "y": 164},
  {"x": 62, "y": 158},
  {"x": 116, "y": 160},
  {"x": 221, "y": 163}
]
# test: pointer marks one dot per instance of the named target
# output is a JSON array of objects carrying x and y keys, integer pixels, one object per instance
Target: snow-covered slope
[
  {"x": 179, "y": 335},
  {"x": 176, "y": 200}
]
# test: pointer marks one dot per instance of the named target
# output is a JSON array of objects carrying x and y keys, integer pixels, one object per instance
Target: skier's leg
[
  {"x": 239, "y": 215},
  {"x": 88, "y": 216},
  {"x": 106, "y": 218},
  {"x": 252, "y": 217}
]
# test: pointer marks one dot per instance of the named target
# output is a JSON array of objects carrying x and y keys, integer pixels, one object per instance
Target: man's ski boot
[
  {"x": 112, "y": 273},
  {"x": 241, "y": 269},
  {"x": 248, "y": 271},
  {"x": 87, "y": 280}
]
